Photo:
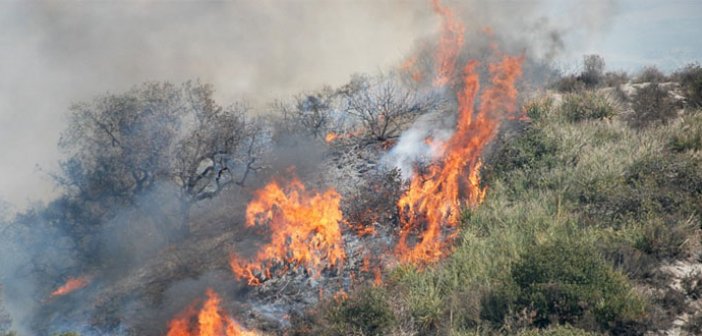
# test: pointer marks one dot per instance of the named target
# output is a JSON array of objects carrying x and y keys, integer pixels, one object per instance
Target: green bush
[
  {"x": 689, "y": 137},
  {"x": 652, "y": 105},
  {"x": 557, "y": 331},
  {"x": 568, "y": 282},
  {"x": 694, "y": 324},
  {"x": 366, "y": 312},
  {"x": 664, "y": 240},
  {"x": 614, "y": 79},
  {"x": 530, "y": 151},
  {"x": 690, "y": 79},
  {"x": 650, "y": 74},
  {"x": 569, "y": 83},
  {"x": 588, "y": 105}
]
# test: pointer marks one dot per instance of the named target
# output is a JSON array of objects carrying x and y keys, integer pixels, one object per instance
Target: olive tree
[{"x": 122, "y": 145}]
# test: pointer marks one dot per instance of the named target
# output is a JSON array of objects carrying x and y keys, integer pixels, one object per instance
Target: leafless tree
[
  {"x": 121, "y": 145},
  {"x": 308, "y": 114},
  {"x": 384, "y": 107}
]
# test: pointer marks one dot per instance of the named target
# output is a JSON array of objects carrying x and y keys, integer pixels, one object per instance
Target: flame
[
  {"x": 331, "y": 137},
  {"x": 410, "y": 66},
  {"x": 450, "y": 43},
  {"x": 211, "y": 321},
  {"x": 72, "y": 284},
  {"x": 433, "y": 200},
  {"x": 304, "y": 229}
]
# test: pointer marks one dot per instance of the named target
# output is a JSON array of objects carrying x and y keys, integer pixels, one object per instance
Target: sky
[{"x": 55, "y": 53}]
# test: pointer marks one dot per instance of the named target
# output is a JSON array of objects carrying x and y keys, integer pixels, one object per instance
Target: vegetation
[
  {"x": 588, "y": 105},
  {"x": 586, "y": 200},
  {"x": 651, "y": 104},
  {"x": 583, "y": 207}
]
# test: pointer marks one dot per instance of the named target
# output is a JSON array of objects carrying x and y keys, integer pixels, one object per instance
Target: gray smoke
[{"x": 58, "y": 52}]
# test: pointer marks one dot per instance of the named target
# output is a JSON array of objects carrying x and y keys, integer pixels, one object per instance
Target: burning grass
[
  {"x": 304, "y": 231},
  {"x": 210, "y": 320}
]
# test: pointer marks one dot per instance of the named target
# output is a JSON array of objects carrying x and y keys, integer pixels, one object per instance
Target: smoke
[{"x": 255, "y": 50}]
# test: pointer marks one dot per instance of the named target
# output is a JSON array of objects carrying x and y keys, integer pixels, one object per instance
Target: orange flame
[
  {"x": 211, "y": 321},
  {"x": 435, "y": 197},
  {"x": 304, "y": 229},
  {"x": 410, "y": 66},
  {"x": 331, "y": 137},
  {"x": 71, "y": 285},
  {"x": 450, "y": 43}
]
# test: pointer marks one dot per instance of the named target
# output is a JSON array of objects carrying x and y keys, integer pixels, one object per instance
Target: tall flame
[
  {"x": 304, "y": 228},
  {"x": 433, "y": 200},
  {"x": 71, "y": 285},
  {"x": 450, "y": 43},
  {"x": 211, "y": 321}
]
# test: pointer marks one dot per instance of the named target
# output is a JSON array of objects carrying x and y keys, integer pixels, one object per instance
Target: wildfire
[
  {"x": 450, "y": 43},
  {"x": 434, "y": 198},
  {"x": 304, "y": 226},
  {"x": 72, "y": 284},
  {"x": 410, "y": 66},
  {"x": 211, "y": 321},
  {"x": 331, "y": 137}
]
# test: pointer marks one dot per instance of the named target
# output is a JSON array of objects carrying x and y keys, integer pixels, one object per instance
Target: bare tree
[
  {"x": 308, "y": 114},
  {"x": 384, "y": 107},
  {"x": 121, "y": 145}
]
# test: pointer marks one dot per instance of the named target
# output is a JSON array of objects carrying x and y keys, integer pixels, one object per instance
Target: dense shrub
[
  {"x": 569, "y": 83},
  {"x": 591, "y": 76},
  {"x": 365, "y": 312},
  {"x": 614, "y": 79},
  {"x": 529, "y": 151},
  {"x": 669, "y": 185},
  {"x": 689, "y": 137},
  {"x": 652, "y": 104},
  {"x": 588, "y": 105},
  {"x": 664, "y": 239},
  {"x": 694, "y": 324},
  {"x": 568, "y": 282},
  {"x": 650, "y": 74},
  {"x": 690, "y": 79},
  {"x": 557, "y": 331},
  {"x": 593, "y": 71}
]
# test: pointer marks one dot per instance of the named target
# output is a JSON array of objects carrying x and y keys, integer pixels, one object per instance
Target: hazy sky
[{"x": 58, "y": 52}]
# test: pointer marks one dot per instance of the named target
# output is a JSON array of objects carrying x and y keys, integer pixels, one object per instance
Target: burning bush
[{"x": 304, "y": 228}]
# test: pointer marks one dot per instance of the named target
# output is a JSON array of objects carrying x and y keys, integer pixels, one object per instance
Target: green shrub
[
  {"x": 614, "y": 79},
  {"x": 529, "y": 151},
  {"x": 689, "y": 137},
  {"x": 652, "y": 105},
  {"x": 690, "y": 79},
  {"x": 650, "y": 74},
  {"x": 664, "y": 240},
  {"x": 568, "y": 282},
  {"x": 366, "y": 312},
  {"x": 588, "y": 105},
  {"x": 569, "y": 84},
  {"x": 694, "y": 324},
  {"x": 593, "y": 71},
  {"x": 538, "y": 109},
  {"x": 557, "y": 331}
]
